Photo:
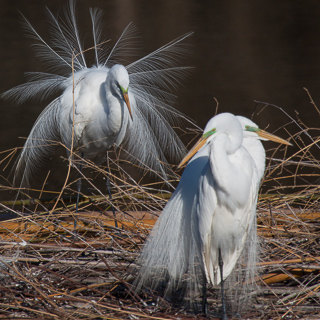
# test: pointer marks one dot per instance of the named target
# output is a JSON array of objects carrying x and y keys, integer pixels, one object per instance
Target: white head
[
  {"x": 251, "y": 130},
  {"x": 120, "y": 74},
  {"x": 225, "y": 123},
  {"x": 119, "y": 78},
  {"x": 238, "y": 126}
]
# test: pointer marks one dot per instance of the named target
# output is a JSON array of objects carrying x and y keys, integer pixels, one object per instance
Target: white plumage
[
  {"x": 227, "y": 196},
  {"x": 101, "y": 116},
  {"x": 213, "y": 208},
  {"x": 103, "y": 96}
]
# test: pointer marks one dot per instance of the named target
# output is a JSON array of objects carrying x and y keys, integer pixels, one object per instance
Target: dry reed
[{"x": 49, "y": 270}]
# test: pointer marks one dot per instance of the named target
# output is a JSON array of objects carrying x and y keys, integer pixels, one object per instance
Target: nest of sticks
[{"x": 49, "y": 269}]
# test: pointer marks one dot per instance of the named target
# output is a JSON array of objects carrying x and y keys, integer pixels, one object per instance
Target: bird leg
[
  {"x": 108, "y": 186},
  {"x": 224, "y": 313},
  {"x": 204, "y": 294},
  {"x": 79, "y": 183}
]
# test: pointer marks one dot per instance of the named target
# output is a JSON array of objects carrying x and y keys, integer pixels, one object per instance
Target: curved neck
[
  {"x": 114, "y": 106},
  {"x": 232, "y": 169},
  {"x": 258, "y": 154},
  {"x": 221, "y": 148},
  {"x": 230, "y": 140}
]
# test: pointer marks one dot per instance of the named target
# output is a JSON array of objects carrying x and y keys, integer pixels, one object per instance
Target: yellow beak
[
  {"x": 200, "y": 143},
  {"x": 126, "y": 99},
  {"x": 272, "y": 137}
]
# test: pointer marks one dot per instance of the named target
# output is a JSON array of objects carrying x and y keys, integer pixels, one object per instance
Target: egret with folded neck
[
  {"x": 105, "y": 105},
  {"x": 202, "y": 230}
]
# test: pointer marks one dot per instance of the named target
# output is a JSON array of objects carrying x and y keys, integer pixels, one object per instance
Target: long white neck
[
  {"x": 221, "y": 150},
  {"x": 115, "y": 105},
  {"x": 258, "y": 154},
  {"x": 230, "y": 164}
]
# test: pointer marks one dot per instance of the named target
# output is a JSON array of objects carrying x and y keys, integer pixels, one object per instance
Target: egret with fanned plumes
[
  {"x": 103, "y": 105},
  {"x": 202, "y": 231}
]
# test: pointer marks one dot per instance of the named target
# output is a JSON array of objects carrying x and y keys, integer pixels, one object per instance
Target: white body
[
  {"x": 226, "y": 203},
  {"x": 101, "y": 117},
  {"x": 213, "y": 207},
  {"x": 100, "y": 114}
]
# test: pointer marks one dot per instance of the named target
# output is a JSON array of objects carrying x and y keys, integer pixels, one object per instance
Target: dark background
[{"x": 241, "y": 51}]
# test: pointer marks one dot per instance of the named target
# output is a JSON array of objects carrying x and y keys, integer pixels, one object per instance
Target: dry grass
[{"x": 49, "y": 270}]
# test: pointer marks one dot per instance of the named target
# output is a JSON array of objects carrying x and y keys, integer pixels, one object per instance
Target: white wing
[
  {"x": 41, "y": 142},
  {"x": 150, "y": 140},
  {"x": 172, "y": 248},
  {"x": 224, "y": 221}
]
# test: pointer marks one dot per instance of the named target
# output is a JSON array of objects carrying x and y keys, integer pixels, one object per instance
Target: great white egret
[
  {"x": 202, "y": 230},
  {"x": 113, "y": 104}
]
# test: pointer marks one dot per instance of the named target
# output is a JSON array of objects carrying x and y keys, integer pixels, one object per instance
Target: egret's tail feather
[
  {"x": 66, "y": 44},
  {"x": 151, "y": 141},
  {"x": 96, "y": 19},
  {"x": 165, "y": 57},
  {"x": 40, "y": 144},
  {"x": 152, "y": 79},
  {"x": 171, "y": 259},
  {"x": 39, "y": 87},
  {"x": 124, "y": 47},
  {"x": 155, "y": 260},
  {"x": 241, "y": 284},
  {"x": 150, "y": 138},
  {"x": 159, "y": 72}
]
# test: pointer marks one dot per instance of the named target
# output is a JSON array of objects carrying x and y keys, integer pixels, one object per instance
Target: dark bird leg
[
  {"x": 108, "y": 186},
  {"x": 79, "y": 183},
  {"x": 224, "y": 313},
  {"x": 204, "y": 294}
]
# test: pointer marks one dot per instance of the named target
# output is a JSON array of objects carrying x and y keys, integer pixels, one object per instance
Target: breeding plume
[
  {"x": 113, "y": 104},
  {"x": 201, "y": 232}
]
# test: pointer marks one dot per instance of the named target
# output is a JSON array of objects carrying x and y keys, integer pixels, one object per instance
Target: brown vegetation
[{"x": 49, "y": 270}]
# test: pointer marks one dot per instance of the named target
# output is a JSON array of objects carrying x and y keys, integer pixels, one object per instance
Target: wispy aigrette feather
[
  {"x": 208, "y": 230},
  {"x": 149, "y": 139}
]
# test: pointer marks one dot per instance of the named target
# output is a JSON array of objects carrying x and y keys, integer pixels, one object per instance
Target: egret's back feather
[
  {"x": 149, "y": 139},
  {"x": 213, "y": 207}
]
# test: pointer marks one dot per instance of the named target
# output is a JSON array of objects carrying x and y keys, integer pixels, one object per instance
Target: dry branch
[{"x": 49, "y": 270}]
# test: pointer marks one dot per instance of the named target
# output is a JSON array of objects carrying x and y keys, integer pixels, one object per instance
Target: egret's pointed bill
[
  {"x": 126, "y": 99},
  {"x": 266, "y": 135},
  {"x": 200, "y": 143}
]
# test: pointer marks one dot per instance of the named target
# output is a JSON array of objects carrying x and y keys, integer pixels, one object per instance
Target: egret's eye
[
  {"x": 123, "y": 89},
  {"x": 252, "y": 129},
  {"x": 209, "y": 133}
]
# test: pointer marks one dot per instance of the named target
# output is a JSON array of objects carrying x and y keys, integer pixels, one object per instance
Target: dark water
[{"x": 241, "y": 50}]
